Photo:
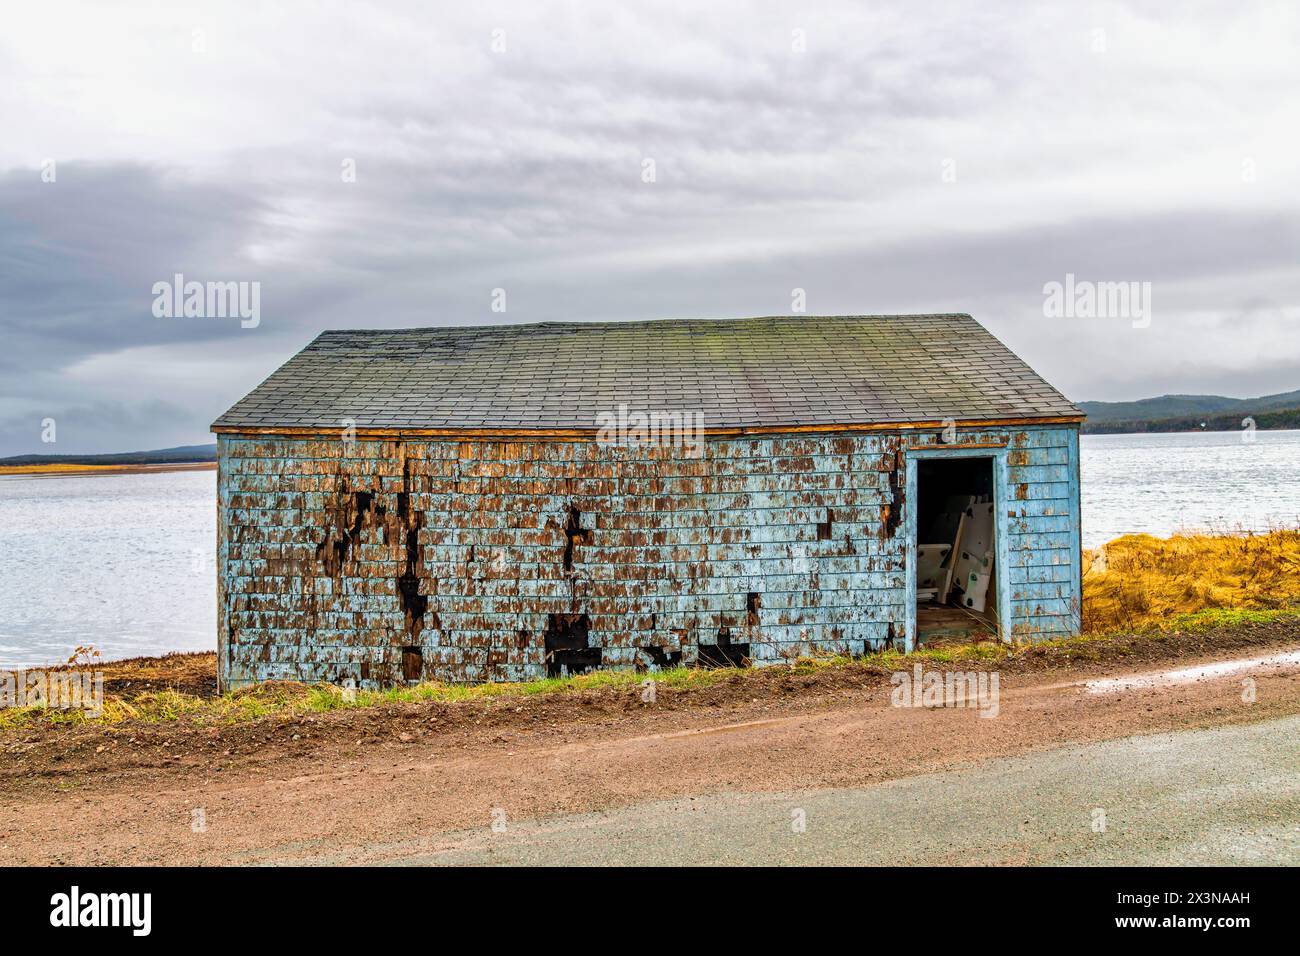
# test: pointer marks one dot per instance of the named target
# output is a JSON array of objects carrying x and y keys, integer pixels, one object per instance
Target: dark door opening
[{"x": 956, "y": 570}]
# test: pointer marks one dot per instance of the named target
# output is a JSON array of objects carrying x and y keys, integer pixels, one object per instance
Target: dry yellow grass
[
  {"x": 1138, "y": 581},
  {"x": 73, "y": 469},
  {"x": 55, "y": 469}
]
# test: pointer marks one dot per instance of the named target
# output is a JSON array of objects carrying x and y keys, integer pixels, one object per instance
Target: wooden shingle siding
[
  {"x": 1044, "y": 534},
  {"x": 663, "y": 549}
]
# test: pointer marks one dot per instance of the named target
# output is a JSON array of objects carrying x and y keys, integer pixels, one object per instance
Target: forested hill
[{"x": 1177, "y": 413}]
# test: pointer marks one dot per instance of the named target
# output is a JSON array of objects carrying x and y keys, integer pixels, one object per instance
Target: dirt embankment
[{"x": 40, "y": 755}]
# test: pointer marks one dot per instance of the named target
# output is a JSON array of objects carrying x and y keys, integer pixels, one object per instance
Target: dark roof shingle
[{"x": 763, "y": 372}]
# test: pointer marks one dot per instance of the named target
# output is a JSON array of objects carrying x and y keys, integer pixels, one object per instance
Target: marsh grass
[{"x": 1139, "y": 581}]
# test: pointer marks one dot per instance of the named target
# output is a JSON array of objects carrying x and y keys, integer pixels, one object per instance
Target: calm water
[{"x": 125, "y": 562}]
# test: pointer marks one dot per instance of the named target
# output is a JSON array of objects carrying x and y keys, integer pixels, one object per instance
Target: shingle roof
[{"x": 763, "y": 372}]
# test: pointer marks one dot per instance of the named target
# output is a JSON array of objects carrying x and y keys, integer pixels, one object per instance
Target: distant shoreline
[
  {"x": 1094, "y": 432},
  {"x": 1103, "y": 428},
  {"x": 68, "y": 470},
  {"x": 1284, "y": 420}
]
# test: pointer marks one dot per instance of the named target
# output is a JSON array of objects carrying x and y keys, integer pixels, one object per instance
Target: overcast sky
[{"x": 905, "y": 157}]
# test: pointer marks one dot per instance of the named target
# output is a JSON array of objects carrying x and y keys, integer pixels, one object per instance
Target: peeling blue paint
[{"x": 671, "y": 547}]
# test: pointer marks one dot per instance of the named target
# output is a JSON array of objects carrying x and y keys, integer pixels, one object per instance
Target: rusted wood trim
[
  {"x": 973, "y": 444},
  {"x": 589, "y": 434}
]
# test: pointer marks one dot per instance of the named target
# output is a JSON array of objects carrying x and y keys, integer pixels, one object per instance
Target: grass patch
[
  {"x": 286, "y": 699},
  {"x": 289, "y": 699},
  {"x": 1227, "y": 617}
]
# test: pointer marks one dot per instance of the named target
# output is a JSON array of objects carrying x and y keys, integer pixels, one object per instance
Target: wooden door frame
[{"x": 1002, "y": 572}]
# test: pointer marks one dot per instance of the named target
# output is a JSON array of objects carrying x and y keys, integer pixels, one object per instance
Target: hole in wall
[
  {"x": 412, "y": 663},
  {"x": 724, "y": 653},
  {"x": 566, "y": 646},
  {"x": 661, "y": 657},
  {"x": 892, "y": 514},
  {"x": 411, "y": 520},
  {"x": 573, "y": 534}
]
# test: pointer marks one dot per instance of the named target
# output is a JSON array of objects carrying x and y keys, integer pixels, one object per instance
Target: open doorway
[{"x": 956, "y": 568}]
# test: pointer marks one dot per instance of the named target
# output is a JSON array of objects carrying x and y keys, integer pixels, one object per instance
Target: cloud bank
[{"x": 392, "y": 165}]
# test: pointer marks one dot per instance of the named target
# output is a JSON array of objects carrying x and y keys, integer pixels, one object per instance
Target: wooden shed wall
[{"x": 334, "y": 556}]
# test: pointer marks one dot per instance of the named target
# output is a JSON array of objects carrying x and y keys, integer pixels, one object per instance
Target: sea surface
[
  {"x": 1188, "y": 481},
  {"x": 125, "y": 562}
]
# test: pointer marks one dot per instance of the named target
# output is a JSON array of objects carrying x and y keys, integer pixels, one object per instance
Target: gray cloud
[
  {"x": 86, "y": 250},
  {"x": 107, "y": 426},
  {"x": 775, "y": 169}
]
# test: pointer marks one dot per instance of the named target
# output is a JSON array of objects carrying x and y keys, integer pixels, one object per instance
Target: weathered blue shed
[{"x": 510, "y": 501}]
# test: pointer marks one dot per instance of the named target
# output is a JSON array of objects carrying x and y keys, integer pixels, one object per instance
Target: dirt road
[
  {"x": 426, "y": 781},
  {"x": 1224, "y": 796}
]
